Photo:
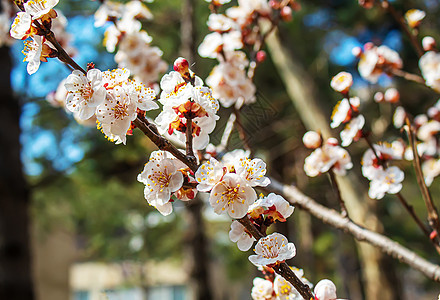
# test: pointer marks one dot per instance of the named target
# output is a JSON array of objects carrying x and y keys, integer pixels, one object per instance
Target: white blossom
[
  {"x": 209, "y": 174},
  {"x": 342, "y": 82},
  {"x": 161, "y": 177},
  {"x": 85, "y": 93},
  {"x": 262, "y": 289},
  {"x": 232, "y": 195},
  {"x": 352, "y": 130},
  {"x": 238, "y": 234},
  {"x": 285, "y": 290},
  {"x": 325, "y": 290},
  {"x": 343, "y": 111},
  {"x": 272, "y": 249},
  {"x": 429, "y": 65},
  {"x": 35, "y": 51},
  {"x": 414, "y": 17},
  {"x": 21, "y": 27},
  {"x": 386, "y": 181},
  {"x": 326, "y": 157},
  {"x": 431, "y": 169},
  {"x": 253, "y": 171},
  {"x": 38, "y": 8}
]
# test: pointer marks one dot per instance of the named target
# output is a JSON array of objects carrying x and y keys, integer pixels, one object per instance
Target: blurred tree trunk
[
  {"x": 15, "y": 257},
  {"x": 301, "y": 89},
  {"x": 197, "y": 251},
  {"x": 196, "y": 241}
]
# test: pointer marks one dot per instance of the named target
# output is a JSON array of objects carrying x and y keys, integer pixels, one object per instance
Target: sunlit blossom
[
  {"x": 272, "y": 249},
  {"x": 232, "y": 195},
  {"x": 238, "y": 234}
]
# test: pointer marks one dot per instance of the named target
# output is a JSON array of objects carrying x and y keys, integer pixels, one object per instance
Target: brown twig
[
  {"x": 281, "y": 268},
  {"x": 406, "y": 75},
  {"x": 162, "y": 143},
  {"x": 335, "y": 186},
  {"x": 433, "y": 217},
  {"x": 399, "y": 19},
  {"x": 189, "y": 140},
  {"x": 411, "y": 211},
  {"x": 336, "y": 220},
  {"x": 241, "y": 131},
  {"x": 62, "y": 55}
]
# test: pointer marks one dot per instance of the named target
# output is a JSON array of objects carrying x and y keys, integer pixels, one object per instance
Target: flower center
[{"x": 120, "y": 110}]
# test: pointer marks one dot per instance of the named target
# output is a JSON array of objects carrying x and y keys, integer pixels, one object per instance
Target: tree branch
[
  {"x": 162, "y": 143},
  {"x": 282, "y": 269},
  {"x": 336, "y": 220},
  {"x": 433, "y": 217},
  {"x": 399, "y": 19}
]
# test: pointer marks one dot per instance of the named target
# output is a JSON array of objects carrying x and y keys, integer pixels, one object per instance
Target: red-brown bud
[
  {"x": 286, "y": 13},
  {"x": 261, "y": 56}
]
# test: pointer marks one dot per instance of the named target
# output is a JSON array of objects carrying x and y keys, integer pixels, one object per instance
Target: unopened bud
[
  {"x": 366, "y": 3},
  {"x": 428, "y": 43},
  {"x": 312, "y": 139},
  {"x": 261, "y": 56},
  {"x": 433, "y": 113},
  {"x": 356, "y": 51},
  {"x": 392, "y": 95},
  {"x": 379, "y": 97},
  {"x": 90, "y": 65},
  {"x": 181, "y": 65},
  {"x": 414, "y": 17},
  {"x": 342, "y": 82},
  {"x": 295, "y": 5},
  {"x": 325, "y": 290},
  {"x": 419, "y": 120},
  {"x": 274, "y": 4},
  {"x": 368, "y": 46},
  {"x": 286, "y": 13},
  {"x": 332, "y": 141}
]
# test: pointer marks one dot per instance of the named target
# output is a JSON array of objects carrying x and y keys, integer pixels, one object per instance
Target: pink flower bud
[
  {"x": 368, "y": 46},
  {"x": 274, "y": 4},
  {"x": 366, "y": 3},
  {"x": 286, "y": 13},
  {"x": 356, "y": 51},
  {"x": 332, "y": 141},
  {"x": 181, "y": 65},
  {"x": 379, "y": 97},
  {"x": 312, "y": 139},
  {"x": 325, "y": 290},
  {"x": 428, "y": 43},
  {"x": 392, "y": 95},
  {"x": 419, "y": 120},
  {"x": 261, "y": 56},
  {"x": 296, "y": 6},
  {"x": 434, "y": 113}
]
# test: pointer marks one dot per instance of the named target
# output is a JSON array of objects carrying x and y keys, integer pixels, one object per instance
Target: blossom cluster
[
  {"x": 111, "y": 96},
  {"x": 164, "y": 176},
  {"x": 427, "y": 128},
  {"x": 275, "y": 287},
  {"x": 377, "y": 60},
  {"x": 231, "y": 182},
  {"x": 131, "y": 43},
  {"x": 28, "y": 24},
  {"x": 327, "y": 156},
  {"x": 231, "y": 32},
  {"x": 184, "y": 100}
]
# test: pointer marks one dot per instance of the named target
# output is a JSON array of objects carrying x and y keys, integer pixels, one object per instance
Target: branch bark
[{"x": 335, "y": 219}]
